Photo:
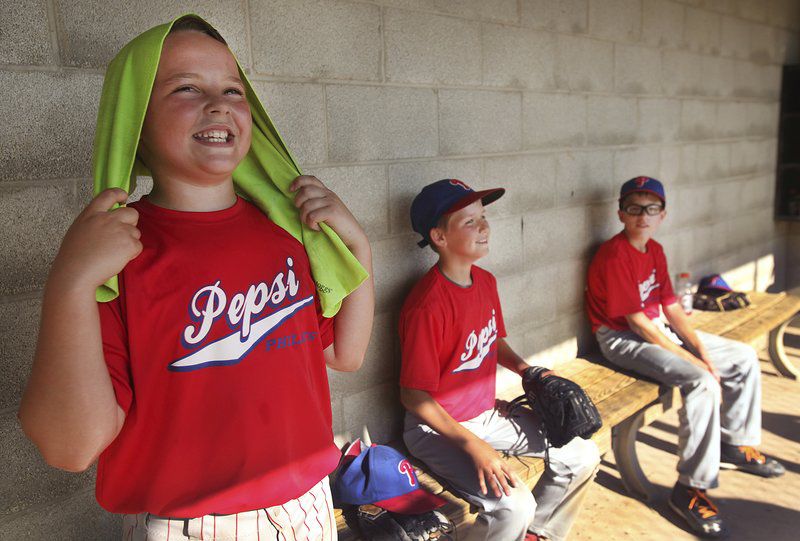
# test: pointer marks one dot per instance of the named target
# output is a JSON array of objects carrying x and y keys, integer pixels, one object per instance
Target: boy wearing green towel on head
[{"x": 201, "y": 384}]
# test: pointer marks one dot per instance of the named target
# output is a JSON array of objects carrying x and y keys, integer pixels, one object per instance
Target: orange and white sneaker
[
  {"x": 749, "y": 459},
  {"x": 694, "y": 506}
]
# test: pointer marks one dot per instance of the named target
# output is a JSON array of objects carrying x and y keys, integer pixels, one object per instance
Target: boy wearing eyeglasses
[{"x": 720, "y": 380}]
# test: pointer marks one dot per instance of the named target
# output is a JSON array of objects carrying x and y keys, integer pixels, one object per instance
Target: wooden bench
[{"x": 627, "y": 402}]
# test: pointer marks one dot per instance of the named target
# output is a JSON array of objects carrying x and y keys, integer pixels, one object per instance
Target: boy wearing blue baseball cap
[
  {"x": 452, "y": 339},
  {"x": 719, "y": 379}
]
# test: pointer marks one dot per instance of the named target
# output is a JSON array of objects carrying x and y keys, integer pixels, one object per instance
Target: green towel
[{"x": 263, "y": 177}]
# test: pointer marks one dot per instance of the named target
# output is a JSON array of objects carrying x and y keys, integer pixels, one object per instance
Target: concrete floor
[{"x": 753, "y": 508}]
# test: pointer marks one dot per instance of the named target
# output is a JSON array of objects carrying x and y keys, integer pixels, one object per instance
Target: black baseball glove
[
  {"x": 565, "y": 409},
  {"x": 376, "y": 524},
  {"x": 715, "y": 300}
]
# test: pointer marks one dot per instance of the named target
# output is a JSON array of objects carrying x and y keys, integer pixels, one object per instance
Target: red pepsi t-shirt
[
  {"x": 215, "y": 350},
  {"x": 622, "y": 281},
  {"x": 448, "y": 339}
]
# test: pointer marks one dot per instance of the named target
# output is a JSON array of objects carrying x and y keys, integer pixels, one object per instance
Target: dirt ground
[{"x": 753, "y": 508}]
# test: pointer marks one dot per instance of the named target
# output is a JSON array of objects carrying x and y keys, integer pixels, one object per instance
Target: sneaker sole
[
  {"x": 749, "y": 469},
  {"x": 701, "y": 532}
]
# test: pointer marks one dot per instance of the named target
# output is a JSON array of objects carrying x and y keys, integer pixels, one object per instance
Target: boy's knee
[{"x": 516, "y": 510}]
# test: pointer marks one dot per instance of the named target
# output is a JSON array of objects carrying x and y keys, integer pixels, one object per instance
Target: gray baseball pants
[
  {"x": 729, "y": 412},
  {"x": 556, "y": 499}
]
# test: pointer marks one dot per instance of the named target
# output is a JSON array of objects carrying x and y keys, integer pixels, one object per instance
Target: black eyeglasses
[{"x": 636, "y": 210}]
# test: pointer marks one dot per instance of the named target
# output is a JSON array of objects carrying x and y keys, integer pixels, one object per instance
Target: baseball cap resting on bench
[{"x": 443, "y": 197}]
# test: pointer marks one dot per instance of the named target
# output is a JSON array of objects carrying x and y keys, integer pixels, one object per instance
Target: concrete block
[
  {"x": 35, "y": 219},
  {"x": 312, "y": 38},
  {"x": 398, "y": 263},
  {"x": 555, "y": 235},
  {"x": 784, "y": 14},
  {"x": 763, "y": 43},
  {"x": 698, "y": 119},
  {"x": 505, "y": 244},
  {"x": 702, "y": 31},
  {"x": 634, "y": 162},
  {"x": 745, "y": 157},
  {"x": 603, "y": 221},
  {"x": 735, "y": 38},
  {"x": 731, "y": 118},
  {"x": 19, "y": 326},
  {"x": 569, "y": 16},
  {"x": 768, "y": 82},
  {"x": 584, "y": 64},
  {"x": 787, "y": 50},
  {"x": 683, "y": 251},
  {"x": 425, "y": 48},
  {"x": 25, "y": 479},
  {"x": 528, "y": 298},
  {"x": 554, "y": 120},
  {"x": 78, "y": 517},
  {"x": 637, "y": 70},
  {"x": 719, "y": 76},
  {"x": 688, "y": 169},
  {"x": 570, "y": 285},
  {"x": 479, "y": 121},
  {"x": 754, "y": 11},
  {"x": 659, "y": 120},
  {"x": 713, "y": 161},
  {"x": 488, "y": 10},
  {"x": 407, "y": 179},
  {"x": 49, "y": 134},
  {"x": 26, "y": 36},
  {"x": 530, "y": 182},
  {"x": 693, "y": 205},
  {"x": 381, "y": 362},
  {"x": 531, "y": 63},
  {"x": 557, "y": 342},
  {"x": 378, "y": 410},
  {"x": 704, "y": 241},
  {"x": 616, "y": 20},
  {"x": 662, "y": 23},
  {"x": 583, "y": 177},
  {"x": 745, "y": 84},
  {"x": 91, "y": 33},
  {"x": 298, "y": 111},
  {"x": 763, "y": 119},
  {"x": 670, "y": 164},
  {"x": 365, "y": 191},
  {"x": 371, "y": 123},
  {"x": 759, "y": 192},
  {"x": 611, "y": 120},
  {"x": 682, "y": 73}
]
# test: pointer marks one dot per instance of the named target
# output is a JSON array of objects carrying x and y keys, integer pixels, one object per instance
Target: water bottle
[{"x": 684, "y": 292}]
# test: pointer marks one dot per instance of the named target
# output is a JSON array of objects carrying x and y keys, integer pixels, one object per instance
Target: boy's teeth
[{"x": 214, "y": 136}]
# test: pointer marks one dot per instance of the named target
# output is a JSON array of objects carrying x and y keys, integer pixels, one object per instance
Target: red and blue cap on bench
[
  {"x": 643, "y": 184},
  {"x": 443, "y": 197},
  {"x": 381, "y": 476},
  {"x": 714, "y": 281}
]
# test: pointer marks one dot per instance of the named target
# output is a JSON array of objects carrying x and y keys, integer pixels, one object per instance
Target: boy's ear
[
  {"x": 437, "y": 237},
  {"x": 620, "y": 215}
]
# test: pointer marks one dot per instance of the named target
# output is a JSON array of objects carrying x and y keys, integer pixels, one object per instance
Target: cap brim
[
  {"x": 486, "y": 196},
  {"x": 412, "y": 503}
]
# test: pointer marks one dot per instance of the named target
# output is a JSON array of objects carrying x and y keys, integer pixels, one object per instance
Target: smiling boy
[
  {"x": 719, "y": 379},
  {"x": 202, "y": 387},
  {"x": 452, "y": 338}
]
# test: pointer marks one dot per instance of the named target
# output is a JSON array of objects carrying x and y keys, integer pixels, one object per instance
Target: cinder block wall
[{"x": 557, "y": 101}]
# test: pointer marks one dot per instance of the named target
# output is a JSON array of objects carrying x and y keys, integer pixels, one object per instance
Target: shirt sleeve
[
  {"x": 325, "y": 325},
  {"x": 501, "y": 325},
  {"x": 622, "y": 288},
  {"x": 667, "y": 293},
  {"x": 115, "y": 350},
  {"x": 421, "y": 337}
]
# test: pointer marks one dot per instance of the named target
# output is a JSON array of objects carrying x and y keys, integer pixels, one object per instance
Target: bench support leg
[
  {"x": 623, "y": 442},
  {"x": 777, "y": 353}
]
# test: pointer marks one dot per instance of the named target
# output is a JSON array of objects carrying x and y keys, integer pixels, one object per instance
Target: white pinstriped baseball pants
[{"x": 307, "y": 518}]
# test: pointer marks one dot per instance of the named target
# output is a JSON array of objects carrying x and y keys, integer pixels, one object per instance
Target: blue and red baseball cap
[
  {"x": 714, "y": 281},
  {"x": 644, "y": 185},
  {"x": 443, "y": 197},
  {"x": 381, "y": 476}
]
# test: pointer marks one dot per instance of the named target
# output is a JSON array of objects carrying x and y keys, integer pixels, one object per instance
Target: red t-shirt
[
  {"x": 622, "y": 281},
  {"x": 448, "y": 339},
  {"x": 214, "y": 347}
]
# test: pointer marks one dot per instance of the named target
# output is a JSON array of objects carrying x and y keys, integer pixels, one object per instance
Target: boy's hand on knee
[
  {"x": 100, "y": 242},
  {"x": 319, "y": 204},
  {"x": 493, "y": 471}
]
